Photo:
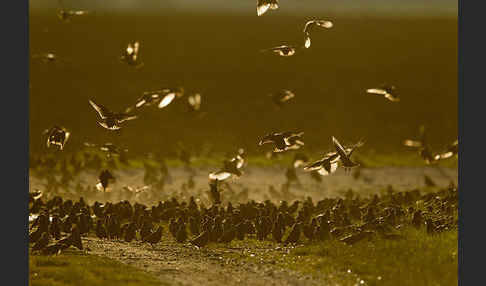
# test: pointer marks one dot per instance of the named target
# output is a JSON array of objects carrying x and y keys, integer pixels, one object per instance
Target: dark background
[{"x": 216, "y": 53}]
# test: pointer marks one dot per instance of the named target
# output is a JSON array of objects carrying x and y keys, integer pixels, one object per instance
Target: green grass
[
  {"x": 418, "y": 259},
  {"x": 84, "y": 270}
]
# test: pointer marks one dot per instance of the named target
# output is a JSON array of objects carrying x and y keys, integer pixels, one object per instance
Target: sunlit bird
[
  {"x": 282, "y": 97},
  {"x": 148, "y": 98},
  {"x": 309, "y": 26},
  {"x": 452, "y": 149},
  {"x": 231, "y": 167},
  {"x": 194, "y": 102},
  {"x": 283, "y": 141},
  {"x": 57, "y": 136},
  {"x": 387, "y": 91},
  {"x": 344, "y": 156},
  {"x": 130, "y": 54},
  {"x": 264, "y": 5},
  {"x": 111, "y": 120},
  {"x": 421, "y": 145}
]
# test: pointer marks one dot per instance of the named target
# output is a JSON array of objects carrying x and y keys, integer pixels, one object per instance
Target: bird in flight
[
  {"x": 310, "y": 25},
  {"x": 109, "y": 119},
  {"x": 283, "y": 141},
  {"x": 344, "y": 157},
  {"x": 283, "y": 50},
  {"x": 130, "y": 54},
  {"x": 194, "y": 102},
  {"x": 387, "y": 91},
  {"x": 452, "y": 149},
  {"x": 281, "y": 97},
  {"x": 231, "y": 167},
  {"x": 57, "y": 136},
  {"x": 264, "y": 5},
  {"x": 422, "y": 146},
  {"x": 329, "y": 163},
  {"x": 105, "y": 178}
]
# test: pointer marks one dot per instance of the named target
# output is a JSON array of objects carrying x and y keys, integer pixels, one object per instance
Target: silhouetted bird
[
  {"x": 294, "y": 234},
  {"x": 42, "y": 242},
  {"x": 181, "y": 234},
  {"x": 130, "y": 232},
  {"x": 283, "y": 141},
  {"x": 105, "y": 178},
  {"x": 344, "y": 157},
  {"x": 57, "y": 136},
  {"x": 100, "y": 230},
  {"x": 387, "y": 91},
  {"x": 110, "y": 120},
  {"x": 264, "y": 5},
  {"x": 155, "y": 237},
  {"x": 201, "y": 240}
]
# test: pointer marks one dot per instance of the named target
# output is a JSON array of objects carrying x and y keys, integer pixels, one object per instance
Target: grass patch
[
  {"x": 84, "y": 269},
  {"x": 417, "y": 259}
]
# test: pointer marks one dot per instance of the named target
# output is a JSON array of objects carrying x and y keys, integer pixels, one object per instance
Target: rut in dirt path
[{"x": 183, "y": 264}]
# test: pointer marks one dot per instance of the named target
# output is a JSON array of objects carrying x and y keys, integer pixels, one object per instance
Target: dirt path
[{"x": 184, "y": 264}]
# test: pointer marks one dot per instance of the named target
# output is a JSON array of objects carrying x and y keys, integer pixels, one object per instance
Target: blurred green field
[{"x": 218, "y": 55}]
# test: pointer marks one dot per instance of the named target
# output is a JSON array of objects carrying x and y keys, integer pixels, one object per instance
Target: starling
[
  {"x": 155, "y": 237},
  {"x": 100, "y": 230},
  {"x": 130, "y": 54},
  {"x": 294, "y": 234},
  {"x": 201, "y": 240},
  {"x": 42, "y": 242},
  {"x": 264, "y": 5},
  {"x": 105, "y": 178},
  {"x": 344, "y": 157},
  {"x": 110, "y": 120},
  {"x": 283, "y": 141},
  {"x": 309, "y": 25},
  {"x": 130, "y": 232},
  {"x": 169, "y": 95},
  {"x": 181, "y": 234},
  {"x": 387, "y": 91},
  {"x": 283, "y": 50},
  {"x": 57, "y": 136}
]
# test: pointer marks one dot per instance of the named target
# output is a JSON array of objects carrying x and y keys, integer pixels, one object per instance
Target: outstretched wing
[
  {"x": 102, "y": 111},
  {"x": 262, "y": 7},
  {"x": 339, "y": 148}
]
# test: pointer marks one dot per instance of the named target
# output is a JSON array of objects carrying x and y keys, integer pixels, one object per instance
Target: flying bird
[
  {"x": 130, "y": 54},
  {"x": 194, "y": 102},
  {"x": 344, "y": 157},
  {"x": 309, "y": 26},
  {"x": 283, "y": 51},
  {"x": 282, "y": 97},
  {"x": 66, "y": 15},
  {"x": 422, "y": 146},
  {"x": 57, "y": 136},
  {"x": 264, "y": 5},
  {"x": 388, "y": 91},
  {"x": 452, "y": 149},
  {"x": 283, "y": 141},
  {"x": 231, "y": 167},
  {"x": 110, "y": 120},
  {"x": 148, "y": 98}
]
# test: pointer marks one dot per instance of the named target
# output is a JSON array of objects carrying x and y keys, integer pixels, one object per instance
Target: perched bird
[
  {"x": 110, "y": 120},
  {"x": 281, "y": 97},
  {"x": 194, "y": 102},
  {"x": 283, "y": 141},
  {"x": 201, "y": 240},
  {"x": 155, "y": 237},
  {"x": 283, "y": 50},
  {"x": 309, "y": 25},
  {"x": 66, "y": 15},
  {"x": 388, "y": 91},
  {"x": 169, "y": 95},
  {"x": 130, "y": 54},
  {"x": 264, "y": 5},
  {"x": 452, "y": 150},
  {"x": 105, "y": 178},
  {"x": 294, "y": 234},
  {"x": 42, "y": 242},
  {"x": 57, "y": 136}
]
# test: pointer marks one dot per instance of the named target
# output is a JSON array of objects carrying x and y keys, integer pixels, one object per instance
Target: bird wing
[
  {"x": 102, "y": 111},
  {"x": 308, "y": 26},
  {"x": 167, "y": 100},
  {"x": 121, "y": 117},
  {"x": 391, "y": 97},
  {"x": 287, "y": 95},
  {"x": 412, "y": 143},
  {"x": 339, "y": 148},
  {"x": 220, "y": 175},
  {"x": 262, "y": 7},
  {"x": 324, "y": 24},
  {"x": 377, "y": 91},
  {"x": 307, "y": 41}
]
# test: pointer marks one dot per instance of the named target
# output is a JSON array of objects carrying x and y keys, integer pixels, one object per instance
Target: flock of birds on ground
[
  {"x": 349, "y": 220},
  {"x": 60, "y": 223}
]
